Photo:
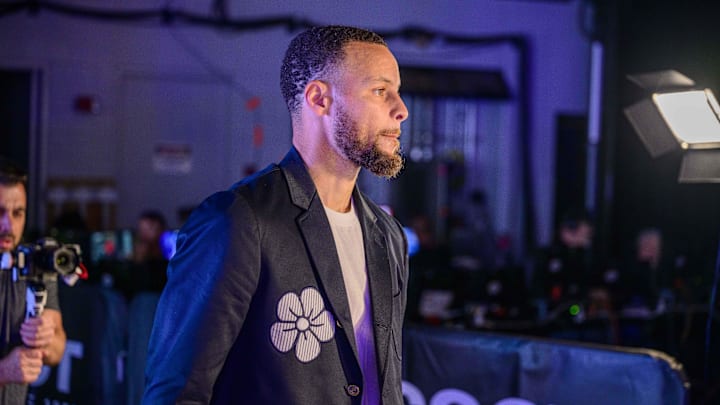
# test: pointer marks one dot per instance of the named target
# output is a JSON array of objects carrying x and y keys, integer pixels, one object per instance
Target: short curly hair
[
  {"x": 313, "y": 54},
  {"x": 11, "y": 173}
]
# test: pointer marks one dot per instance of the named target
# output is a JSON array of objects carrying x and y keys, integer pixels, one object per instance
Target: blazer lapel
[
  {"x": 316, "y": 232},
  {"x": 379, "y": 278},
  {"x": 315, "y": 228},
  {"x": 321, "y": 247}
]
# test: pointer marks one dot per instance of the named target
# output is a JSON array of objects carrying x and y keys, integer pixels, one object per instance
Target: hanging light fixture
[{"x": 678, "y": 115}]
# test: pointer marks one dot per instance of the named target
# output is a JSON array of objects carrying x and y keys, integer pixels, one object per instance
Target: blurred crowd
[{"x": 643, "y": 297}]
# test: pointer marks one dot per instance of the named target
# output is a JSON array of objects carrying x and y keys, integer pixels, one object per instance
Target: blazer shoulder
[
  {"x": 246, "y": 193},
  {"x": 269, "y": 175}
]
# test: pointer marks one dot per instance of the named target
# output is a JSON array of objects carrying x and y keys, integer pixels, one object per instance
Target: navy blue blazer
[{"x": 255, "y": 309}]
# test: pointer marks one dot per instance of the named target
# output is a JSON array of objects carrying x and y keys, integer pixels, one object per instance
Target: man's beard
[{"x": 367, "y": 156}]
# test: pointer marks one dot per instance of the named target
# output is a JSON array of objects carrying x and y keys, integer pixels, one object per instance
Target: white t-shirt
[{"x": 348, "y": 237}]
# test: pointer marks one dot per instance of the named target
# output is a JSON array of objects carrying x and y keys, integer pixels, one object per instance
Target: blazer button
[
  {"x": 338, "y": 324},
  {"x": 353, "y": 390}
]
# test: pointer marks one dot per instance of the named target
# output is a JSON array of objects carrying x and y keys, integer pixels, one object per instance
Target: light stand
[{"x": 677, "y": 115}]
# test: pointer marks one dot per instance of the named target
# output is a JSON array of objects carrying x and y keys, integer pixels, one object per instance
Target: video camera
[{"x": 44, "y": 260}]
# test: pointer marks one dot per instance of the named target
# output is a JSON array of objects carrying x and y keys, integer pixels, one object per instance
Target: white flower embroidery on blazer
[{"x": 303, "y": 324}]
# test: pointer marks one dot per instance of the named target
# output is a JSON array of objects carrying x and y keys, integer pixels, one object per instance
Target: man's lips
[
  {"x": 7, "y": 242},
  {"x": 391, "y": 133}
]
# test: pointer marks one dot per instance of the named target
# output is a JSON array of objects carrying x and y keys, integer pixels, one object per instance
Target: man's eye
[{"x": 379, "y": 92}]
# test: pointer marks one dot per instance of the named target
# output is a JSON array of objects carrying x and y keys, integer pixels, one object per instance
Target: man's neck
[
  {"x": 334, "y": 176},
  {"x": 335, "y": 193}
]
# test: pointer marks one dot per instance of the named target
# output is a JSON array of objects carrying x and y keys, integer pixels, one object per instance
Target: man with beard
[
  {"x": 289, "y": 288},
  {"x": 25, "y": 344}
]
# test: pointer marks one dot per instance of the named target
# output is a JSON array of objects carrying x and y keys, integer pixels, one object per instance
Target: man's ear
[{"x": 317, "y": 97}]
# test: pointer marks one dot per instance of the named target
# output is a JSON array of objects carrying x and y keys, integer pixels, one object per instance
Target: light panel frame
[{"x": 676, "y": 115}]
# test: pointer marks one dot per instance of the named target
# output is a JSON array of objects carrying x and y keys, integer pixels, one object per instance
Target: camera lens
[{"x": 64, "y": 261}]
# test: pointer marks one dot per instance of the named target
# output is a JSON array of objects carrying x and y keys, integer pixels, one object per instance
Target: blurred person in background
[
  {"x": 151, "y": 226},
  {"x": 563, "y": 270},
  {"x": 25, "y": 344},
  {"x": 149, "y": 260}
]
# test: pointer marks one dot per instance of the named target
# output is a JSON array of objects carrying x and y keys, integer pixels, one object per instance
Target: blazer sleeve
[{"x": 211, "y": 281}]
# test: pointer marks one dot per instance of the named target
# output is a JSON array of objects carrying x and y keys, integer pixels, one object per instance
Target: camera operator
[{"x": 25, "y": 344}]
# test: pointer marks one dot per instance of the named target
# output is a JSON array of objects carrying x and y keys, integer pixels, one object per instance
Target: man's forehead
[
  {"x": 13, "y": 193},
  {"x": 372, "y": 63}
]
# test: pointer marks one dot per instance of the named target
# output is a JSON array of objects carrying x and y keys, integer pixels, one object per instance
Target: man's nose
[
  {"x": 401, "y": 111},
  {"x": 4, "y": 223}
]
